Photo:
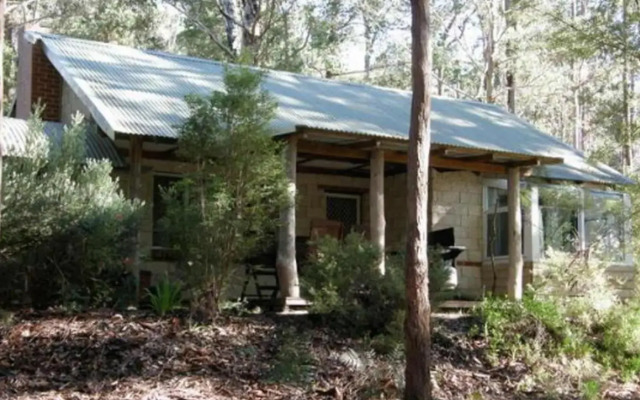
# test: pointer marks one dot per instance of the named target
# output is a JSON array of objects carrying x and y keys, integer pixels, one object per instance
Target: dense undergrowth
[{"x": 570, "y": 316}]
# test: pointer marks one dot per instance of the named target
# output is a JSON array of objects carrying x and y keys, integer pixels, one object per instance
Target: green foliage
[
  {"x": 165, "y": 297},
  {"x": 227, "y": 210},
  {"x": 569, "y": 312},
  {"x": 579, "y": 286},
  {"x": 292, "y": 362},
  {"x": 67, "y": 228},
  {"x": 298, "y": 34},
  {"x": 530, "y": 325},
  {"x": 591, "y": 390},
  {"x": 126, "y": 22},
  {"x": 345, "y": 286}
]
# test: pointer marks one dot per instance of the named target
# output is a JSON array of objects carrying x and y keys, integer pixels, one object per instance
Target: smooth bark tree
[
  {"x": 511, "y": 57},
  {"x": 417, "y": 321},
  {"x": 2, "y": 11}
]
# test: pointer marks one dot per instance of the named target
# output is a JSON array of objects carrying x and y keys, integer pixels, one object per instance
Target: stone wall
[
  {"x": 311, "y": 200},
  {"x": 457, "y": 204}
]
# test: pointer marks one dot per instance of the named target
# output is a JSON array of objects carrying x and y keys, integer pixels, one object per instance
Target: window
[
  {"x": 604, "y": 223},
  {"x": 160, "y": 184},
  {"x": 560, "y": 209},
  {"x": 344, "y": 208},
  {"x": 565, "y": 218},
  {"x": 497, "y": 223}
]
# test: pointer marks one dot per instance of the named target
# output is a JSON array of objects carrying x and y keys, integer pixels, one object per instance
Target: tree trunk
[
  {"x": 367, "y": 48},
  {"x": 417, "y": 321},
  {"x": 576, "y": 77},
  {"x": 251, "y": 31},
  {"x": 286, "y": 266},
  {"x": 2, "y": 8},
  {"x": 233, "y": 31},
  {"x": 510, "y": 52},
  {"x": 489, "y": 46},
  {"x": 626, "y": 128}
]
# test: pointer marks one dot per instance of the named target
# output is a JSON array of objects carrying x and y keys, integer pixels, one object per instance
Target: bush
[
  {"x": 571, "y": 310},
  {"x": 531, "y": 325},
  {"x": 580, "y": 286},
  {"x": 345, "y": 286},
  {"x": 67, "y": 229},
  {"x": 227, "y": 209}
]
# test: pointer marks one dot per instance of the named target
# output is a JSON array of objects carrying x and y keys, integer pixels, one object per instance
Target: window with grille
[{"x": 344, "y": 208}]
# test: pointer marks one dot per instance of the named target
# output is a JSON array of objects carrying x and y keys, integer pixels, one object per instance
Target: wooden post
[
  {"x": 135, "y": 166},
  {"x": 135, "y": 173},
  {"x": 514, "y": 286},
  {"x": 430, "y": 201},
  {"x": 376, "y": 204},
  {"x": 286, "y": 266}
]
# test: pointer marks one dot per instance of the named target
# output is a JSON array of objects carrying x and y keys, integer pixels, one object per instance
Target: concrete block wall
[
  {"x": 457, "y": 204},
  {"x": 502, "y": 275},
  {"x": 311, "y": 201}
]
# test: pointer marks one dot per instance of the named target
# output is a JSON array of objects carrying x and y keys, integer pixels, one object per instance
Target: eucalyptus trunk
[{"x": 417, "y": 322}]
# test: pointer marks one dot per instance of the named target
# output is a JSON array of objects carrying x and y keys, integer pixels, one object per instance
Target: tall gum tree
[{"x": 417, "y": 322}]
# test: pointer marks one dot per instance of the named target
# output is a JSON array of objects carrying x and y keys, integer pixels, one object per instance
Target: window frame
[
  {"x": 526, "y": 236},
  {"x": 533, "y": 237},
  {"x": 341, "y": 195},
  {"x": 539, "y": 233}
]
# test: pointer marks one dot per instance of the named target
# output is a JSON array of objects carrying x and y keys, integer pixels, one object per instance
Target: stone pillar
[{"x": 376, "y": 204}]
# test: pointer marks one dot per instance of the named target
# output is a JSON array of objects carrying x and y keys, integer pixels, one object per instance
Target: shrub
[
  {"x": 66, "y": 225},
  {"x": 571, "y": 310},
  {"x": 580, "y": 286},
  {"x": 228, "y": 208},
  {"x": 345, "y": 286},
  {"x": 533, "y": 324},
  {"x": 293, "y": 362},
  {"x": 165, "y": 297}
]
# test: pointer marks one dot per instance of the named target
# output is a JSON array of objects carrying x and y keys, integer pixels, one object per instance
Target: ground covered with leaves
[{"x": 108, "y": 355}]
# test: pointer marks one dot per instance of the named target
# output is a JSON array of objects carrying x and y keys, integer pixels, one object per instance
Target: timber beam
[{"x": 332, "y": 151}]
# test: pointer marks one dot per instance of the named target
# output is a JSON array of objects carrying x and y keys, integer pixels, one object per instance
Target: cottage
[{"x": 347, "y": 152}]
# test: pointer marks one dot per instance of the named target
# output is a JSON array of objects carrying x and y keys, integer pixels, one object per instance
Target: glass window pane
[
  {"x": 559, "y": 229},
  {"x": 496, "y": 197},
  {"x": 497, "y": 234},
  {"x": 604, "y": 224}
]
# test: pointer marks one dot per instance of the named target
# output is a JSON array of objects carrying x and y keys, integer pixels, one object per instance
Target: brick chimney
[{"x": 38, "y": 80}]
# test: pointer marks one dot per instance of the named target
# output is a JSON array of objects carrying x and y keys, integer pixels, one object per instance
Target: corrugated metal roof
[
  {"x": 98, "y": 147},
  {"x": 141, "y": 92}
]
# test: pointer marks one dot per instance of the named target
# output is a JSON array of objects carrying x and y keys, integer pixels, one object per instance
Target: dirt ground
[{"x": 109, "y": 355}]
